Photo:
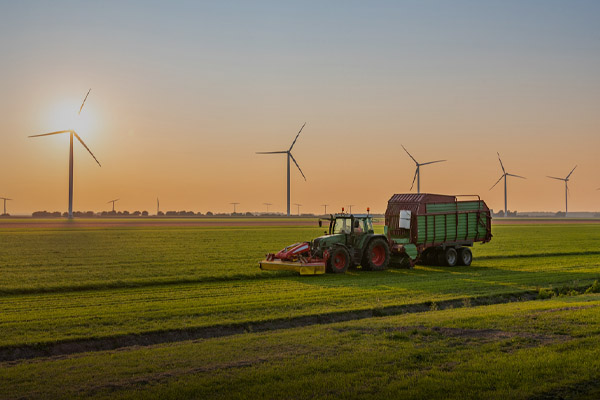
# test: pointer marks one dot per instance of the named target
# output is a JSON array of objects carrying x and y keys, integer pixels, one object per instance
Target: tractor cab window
[
  {"x": 368, "y": 225},
  {"x": 342, "y": 225}
]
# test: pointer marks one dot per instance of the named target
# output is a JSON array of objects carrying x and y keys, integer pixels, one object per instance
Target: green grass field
[{"x": 185, "y": 312}]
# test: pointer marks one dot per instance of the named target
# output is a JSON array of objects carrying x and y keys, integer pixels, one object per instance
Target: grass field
[{"x": 182, "y": 311}]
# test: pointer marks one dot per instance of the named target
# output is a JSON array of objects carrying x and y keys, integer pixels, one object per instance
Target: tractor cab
[{"x": 350, "y": 224}]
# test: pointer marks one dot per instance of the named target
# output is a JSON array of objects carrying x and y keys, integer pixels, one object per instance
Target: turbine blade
[
  {"x": 294, "y": 142},
  {"x": 51, "y": 133},
  {"x": 271, "y": 152},
  {"x": 433, "y": 162},
  {"x": 294, "y": 160},
  {"x": 87, "y": 148},
  {"x": 571, "y": 172},
  {"x": 553, "y": 177},
  {"x": 501, "y": 165},
  {"x": 414, "y": 177},
  {"x": 88, "y": 93},
  {"x": 497, "y": 182},
  {"x": 410, "y": 155},
  {"x": 517, "y": 176}
]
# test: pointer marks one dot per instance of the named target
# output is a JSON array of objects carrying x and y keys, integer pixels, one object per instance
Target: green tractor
[{"x": 349, "y": 242}]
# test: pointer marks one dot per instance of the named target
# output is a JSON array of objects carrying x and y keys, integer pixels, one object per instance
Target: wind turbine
[
  {"x": 113, "y": 203},
  {"x": 71, "y": 134},
  {"x": 296, "y": 204},
  {"x": 504, "y": 175},
  {"x": 289, "y": 155},
  {"x": 325, "y": 205},
  {"x": 566, "y": 180},
  {"x": 234, "y": 204},
  {"x": 418, "y": 170},
  {"x": 268, "y": 204},
  {"x": 5, "y": 200},
  {"x": 350, "y": 208}
]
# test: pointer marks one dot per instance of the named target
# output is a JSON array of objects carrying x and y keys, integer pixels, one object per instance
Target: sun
[{"x": 63, "y": 115}]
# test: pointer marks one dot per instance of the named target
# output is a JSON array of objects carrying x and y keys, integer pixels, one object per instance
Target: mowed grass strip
[
  {"x": 42, "y": 260},
  {"x": 536, "y": 349},
  {"x": 48, "y": 318},
  {"x": 90, "y": 258}
]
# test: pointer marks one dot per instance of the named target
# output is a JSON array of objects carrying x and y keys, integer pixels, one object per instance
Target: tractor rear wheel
[
  {"x": 377, "y": 255},
  {"x": 465, "y": 257},
  {"x": 338, "y": 261},
  {"x": 448, "y": 257}
]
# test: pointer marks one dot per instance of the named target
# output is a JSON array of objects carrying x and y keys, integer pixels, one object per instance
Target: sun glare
[{"x": 63, "y": 116}]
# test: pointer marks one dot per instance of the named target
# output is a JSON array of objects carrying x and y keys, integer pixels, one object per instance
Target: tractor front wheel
[
  {"x": 338, "y": 261},
  {"x": 377, "y": 255}
]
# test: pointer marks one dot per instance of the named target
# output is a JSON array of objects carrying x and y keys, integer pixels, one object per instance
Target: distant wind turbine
[
  {"x": 504, "y": 175},
  {"x": 234, "y": 205},
  {"x": 72, "y": 133},
  {"x": 418, "y": 170},
  {"x": 267, "y": 204},
  {"x": 113, "y": 203},
  {"x": 296, "y": 204},
  {"x": 325, "y": 205},
  {"x": 5, "y": 200},
  {"x": 350, "y": 208},
  {"x": 566, "y": 180},
  {"x": 289, "y": 155}
]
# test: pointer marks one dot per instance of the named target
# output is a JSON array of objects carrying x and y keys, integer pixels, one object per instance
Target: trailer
[{"x": 435, "y": 229}]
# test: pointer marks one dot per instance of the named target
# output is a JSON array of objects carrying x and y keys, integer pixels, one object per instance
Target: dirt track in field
[{"x": 12, "y": 354}]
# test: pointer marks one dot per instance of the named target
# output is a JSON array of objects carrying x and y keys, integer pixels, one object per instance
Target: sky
[{"x": 185, "y": 93}]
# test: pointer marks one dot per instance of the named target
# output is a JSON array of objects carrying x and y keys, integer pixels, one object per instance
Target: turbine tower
[
  {"x": 325, "y": 205},
  {"x": 296, "y": 204},
  {"x": 418, "y": 170},
  {"x": 289, "y": 155},
  {"x": 72, "y": 133},
  {"x": 113, "y": 203},
  {"x": 566, "y": 180},
  {"x": 350, "y": 208},
  {"x": 234, "y": 205},
  {"x": 268, "y": 204},
  {"x": 504, "y": 175},
  {"x": 5, "y": 200}
]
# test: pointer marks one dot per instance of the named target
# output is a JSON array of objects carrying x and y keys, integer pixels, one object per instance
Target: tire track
[{"x": 14, "y": 354}]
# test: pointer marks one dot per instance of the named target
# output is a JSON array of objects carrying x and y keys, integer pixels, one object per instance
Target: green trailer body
[{"x": 423, "y": 227}]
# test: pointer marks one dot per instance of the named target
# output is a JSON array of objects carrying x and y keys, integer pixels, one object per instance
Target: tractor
[{"x": 350, "y": 241}]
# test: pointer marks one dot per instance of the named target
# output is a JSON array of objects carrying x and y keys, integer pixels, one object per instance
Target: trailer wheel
[
  {"x": 377, "y": 255},
  {"x": 465, "y": 257},
  {"x": 338, "y": 261},
  {"x": 448, "y": 257},
  {"x": 429, "y": 257}
]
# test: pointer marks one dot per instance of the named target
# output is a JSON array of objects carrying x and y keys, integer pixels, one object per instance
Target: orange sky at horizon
[{"x": 180, "y": 114}]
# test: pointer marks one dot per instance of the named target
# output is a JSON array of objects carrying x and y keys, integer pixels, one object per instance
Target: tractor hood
[{"x": 328, "y": 240}]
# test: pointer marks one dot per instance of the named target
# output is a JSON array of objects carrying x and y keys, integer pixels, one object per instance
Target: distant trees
[{"x": 42, "y": 214}]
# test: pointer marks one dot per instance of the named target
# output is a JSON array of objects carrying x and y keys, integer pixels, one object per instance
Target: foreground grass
[
  {"x": 554, "y": 256},
  {"x": 537, "y": 349}
]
